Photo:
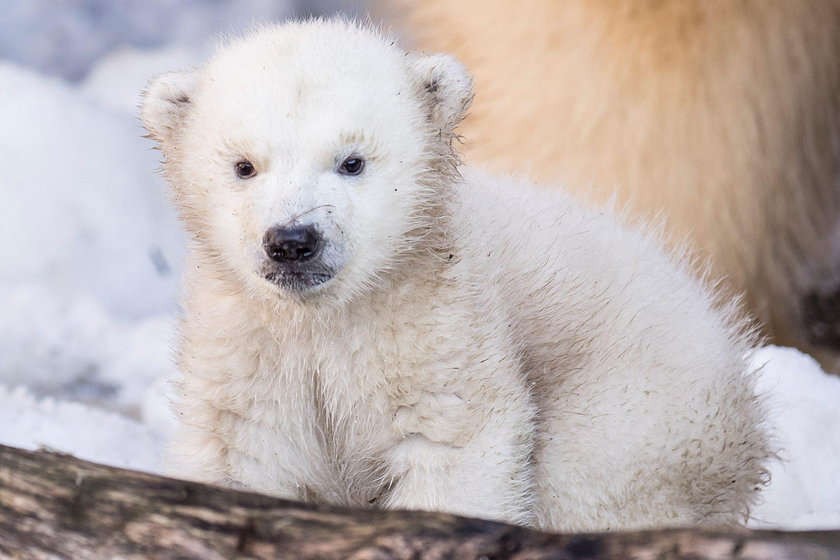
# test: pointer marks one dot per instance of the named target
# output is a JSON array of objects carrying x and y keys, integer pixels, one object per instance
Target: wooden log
[{"x": 54, "y": 506}]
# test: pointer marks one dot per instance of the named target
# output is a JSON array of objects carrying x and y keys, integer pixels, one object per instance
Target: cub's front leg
[
  {"x": 466, "y": 444},
  {"x": 218, "y": 444},
  {"x": 233, "y": 428}
]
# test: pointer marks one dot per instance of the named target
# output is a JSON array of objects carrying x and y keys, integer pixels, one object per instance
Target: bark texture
[{"x": 56, "y": 506}]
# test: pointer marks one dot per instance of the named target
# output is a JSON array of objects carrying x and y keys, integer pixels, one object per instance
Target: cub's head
[{"x": 311, "y": 157}]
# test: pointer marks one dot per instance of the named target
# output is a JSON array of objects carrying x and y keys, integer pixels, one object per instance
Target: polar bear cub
[{"x": 367, "y": 323}]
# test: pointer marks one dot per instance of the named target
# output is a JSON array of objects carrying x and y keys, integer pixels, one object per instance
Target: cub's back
[{"x": 578, "y": 283}]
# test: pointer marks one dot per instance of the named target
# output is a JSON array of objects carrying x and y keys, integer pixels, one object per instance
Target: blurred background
[{"x": 68, "y": 38}]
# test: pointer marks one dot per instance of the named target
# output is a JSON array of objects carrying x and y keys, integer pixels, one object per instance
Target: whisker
[{"x": 304, "y": 213}]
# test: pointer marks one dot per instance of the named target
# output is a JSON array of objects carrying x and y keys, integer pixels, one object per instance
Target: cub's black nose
[{"x": 292, "y": 244}]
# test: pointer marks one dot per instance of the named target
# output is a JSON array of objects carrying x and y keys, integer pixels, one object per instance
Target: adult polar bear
[
  {"x": 721, "y": 118},
  {"x": 363, "y": 325}
]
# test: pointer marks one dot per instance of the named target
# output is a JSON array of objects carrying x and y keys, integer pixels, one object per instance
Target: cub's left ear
[
  {"x": 446, "y": 86},
  {"x": 166, "y": 101}
]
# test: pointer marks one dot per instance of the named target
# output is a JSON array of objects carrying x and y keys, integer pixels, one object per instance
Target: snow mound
[
  {"x": 90, "y": 434},
  {"x": 68, "y": 345},
  {"x": 81, "y": 201},
  {"x": 804, "y": 406},
  {"x": 89, "y": 266}
]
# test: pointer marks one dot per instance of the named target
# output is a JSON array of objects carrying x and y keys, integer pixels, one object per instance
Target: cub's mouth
[{"x": 297, "y": 280}]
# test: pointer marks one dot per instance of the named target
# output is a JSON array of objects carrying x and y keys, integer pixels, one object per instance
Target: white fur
[{"x": 485, "y": 348}]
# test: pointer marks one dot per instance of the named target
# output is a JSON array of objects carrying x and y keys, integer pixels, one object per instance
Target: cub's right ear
[{"x": 166, "y": 101}]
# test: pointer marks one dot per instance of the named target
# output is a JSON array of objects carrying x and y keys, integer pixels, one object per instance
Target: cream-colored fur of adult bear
[
  {"x": 722, "y": 118},
  {"x": 365, "y": 325}
]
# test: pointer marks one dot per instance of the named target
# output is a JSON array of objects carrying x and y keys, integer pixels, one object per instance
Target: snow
[
  {"x": 92, "y": 253},
  {"x": 88, "y": 275},
  {"x": 804, "y": 405},
  {"x": 71, "y": 427}
]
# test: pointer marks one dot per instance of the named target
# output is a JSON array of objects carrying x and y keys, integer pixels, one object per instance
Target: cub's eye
[
  {"x": 245, "y": 169},
  {"x": 352, "y": 166}
]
